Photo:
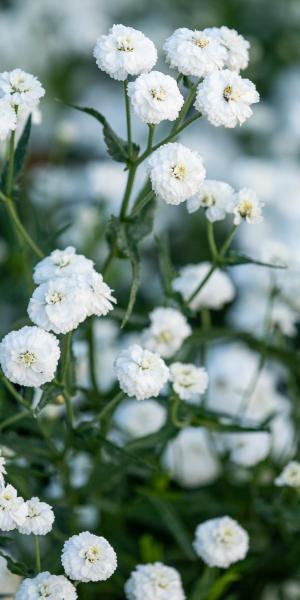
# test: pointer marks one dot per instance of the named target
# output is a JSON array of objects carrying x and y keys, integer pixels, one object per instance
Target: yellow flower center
[
  {"x": 158, "y": 94},
  {"x": 201, "y": 42},
  {"x": 245, "y": 209},
  {"x": 92, "y": 554},
  {"x": 125, "y": 45},
  {"x": 55, "y": 298},
  {"x": 179, "y": 171},
  {"x": 27, "y": 358}
]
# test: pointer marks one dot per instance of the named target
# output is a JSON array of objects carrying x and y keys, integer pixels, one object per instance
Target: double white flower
[
  {"x": 141, "y": 373},
  {"x": 155, "y": 97},
  {"x": 20, "y": 94},
  {"x": 221, "y": 542},
  {"x": 154, "y": 582},
  {"x": 45, "y": 585},
  {"x": 167, "y": 332},
  {"x": 88, "y": 557}
]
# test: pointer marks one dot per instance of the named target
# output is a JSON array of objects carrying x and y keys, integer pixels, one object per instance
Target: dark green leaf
[
  {"x": 20, "y": 155},
  {"x": 14, "y": 566},
  {"x": 234, "y": 258},
  {"x": 50, "y": 392},
  {"x": 174, "y": 524}
]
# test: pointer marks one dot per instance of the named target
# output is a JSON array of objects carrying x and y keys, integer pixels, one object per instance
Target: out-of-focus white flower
[
  {"x": 237, "y": 48},
  {"x": 124, "y": 51},
  {"x": 9, "y": 582},
  {"x": 154, "y": 582},
  {"x": 99, "y": 296},
  {"x": 247, "y": 449},
  {"x": 189, "y": 458},
  {"x": 141, "y": 373},
  {"x": 2, "y": 469},
  {"x": 39, "y": 519},
  {"x": 216, "y": 292},
  {"x": 155, "y": 97},
  {"x": 62, "y": 263},
  {"x": 276, "y": 253},
  {"x": 45, "y": 585},
  {"x": 29, "y": 356},
  {"x": 13, "y": 509},
  {"x": 87, "y": 557},
  {"x": 284, "y": 318},
  {"x": 216, "y": 197},
  {"x": 23, "y": 89},
  {"x": 167, "y": 332},
  {"x": 290, "y": 475},
  {"x": 221, "y": 542},
  {"x": 59, "y": 304},
  {"x": 176, "y": 172},
  {"x": 8, "y": 117},
  {"x": 247, "y": 207},
  {"x": 225, "y": 98},
  {"x": 194, "y": 52},
  {"x": 188, "y": 381},
  {"x": 137, "y": 419}
]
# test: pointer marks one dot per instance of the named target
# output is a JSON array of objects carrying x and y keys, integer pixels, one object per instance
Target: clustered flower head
[
  {"x": 247, "y": 207},
  {"x": 124, "y": 51},
  {"x": 217, "y": 291},
  {"x": 176, "y": 172},
  {"x": 167, "y": 332},
  {"x": 155, "y": 97},
  {"x": 45, "y": 585},
  {"x": 13, "y": 509},
  {"x": 237, "y": 48},
  {"x": 290, "y": 475},
  {"x": 216, "y": 197},
  {"x": 195, "y": 52},
  {"x": 20, "y": 94},
  {"x": 39, "y": 519},
  {"x": 154, "y": 581},
  {"x": 188, "y": 381},
  {"x": 88, "y": 557},
  {"x": 141, "y": 373},
  {"x": 221, "y": 542}
]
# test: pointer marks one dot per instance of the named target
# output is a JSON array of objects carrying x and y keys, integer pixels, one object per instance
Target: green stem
[
  {"x": 202, "y": 284},
  {"x": 11, "y": 164},
  {"x": 175, "y": 403},
  {"x": 212, "y": 241},
  {"x": 109, "y": 406},
  {"x": 65, "y": 378},
  {"x": 228, "y": 241},
  {"x": 128, "y": 117},
  {"x": 128, "y": 190},
  {"x": 19, "y": 227},
  {"x": 186, "y": 107},
  {"x": 91, "y": 343},
  {"x": 11, "y": 388},
  {"x": 37, "y": 554},
  {"x": 13, "y": 419},
  {"x": 140, "y": 204},
  {"x": 150, "y": 137}
]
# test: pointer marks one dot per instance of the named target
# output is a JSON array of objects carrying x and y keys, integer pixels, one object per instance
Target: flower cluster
[{"x": 20, "y": 94}]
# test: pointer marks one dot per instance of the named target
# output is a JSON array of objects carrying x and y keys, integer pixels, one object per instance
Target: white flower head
[
  {"x": 225, "y": 98},
  {"x": 142, "y": 374},
  {"x": 29, "y": 356},
  {"x": 2, "y": 469},
  {"x": 155, "y": 97},
  {"x": 216, "y": 292},
  {"x": 176, "y": 172},
  {"x": 98, "y": 295},
  {"x": 13, "y": 509},
  {"x": 8, "y": 117},
  {"x": 154, "y": 582},
  {"x": 189, "y": 458},
  {"x": 23, "y": 89},
  {"x": 247, "y": 449},
  {"x": 188, "y": 381},
  {"x": 62, "y": 263},
  {"x": 216, "y": 197},
  {"x": 59, "y": 305},
  {"x": 247, "y": 207},
  {"x": 194, "y": 52},
  {"x": 167, "y": 332},
  {"x": 290, "y": 475},
  {"x": 221, "y": 542},
  {"x": 45, "y": 585},
  {"x": 87, "y": 557},
  {"x": 40, "y": 518},
  {"x": 237, "y": 48},
  {"x": 124, "y": 51},
  {"x": 137, "y": 419}
]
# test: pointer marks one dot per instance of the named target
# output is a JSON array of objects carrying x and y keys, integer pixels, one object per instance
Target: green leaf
[
  {"x": 20, "y": 155},
  {"x": 234, "y": 258},
  {"x": 174, "y": 524},
  {"x": 15, "y": 567},
  {"x": 117, "y": 148},
  {"x": 50, "y": 392}
]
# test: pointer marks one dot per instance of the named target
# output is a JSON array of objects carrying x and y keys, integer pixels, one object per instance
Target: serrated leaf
[
  {"x": 117, "y": 148},
  {"x": 20, "y": 155},
  {"x": 15, "y": 567},
  {"x": 234, "y": 258}
]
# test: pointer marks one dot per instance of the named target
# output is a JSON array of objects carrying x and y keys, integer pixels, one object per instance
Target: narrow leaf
[
  {"x": 174, "y": 525},
  {"x": 234, "y": 258},
  {"x": 20, "y": 155}
]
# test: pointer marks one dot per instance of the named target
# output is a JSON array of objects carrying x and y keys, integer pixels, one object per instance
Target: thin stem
[
  {"x": 13, "y": 419},
  {"x": 175, "y": 403},
  {"x": 186, "y": 107},
  {"x": 109, "y": 259},
  {"x": 128, "y": 190},
  {"x": 128, "y": 117},
  {"x": 65, "y": 378},
  {"x": 212, "y": 241},
  {"x": 20, "y": 229},
  {"x": 109, "y": 406},
  {"x": 228, "y": 241},
  {"x": 150, "y": 137},
  {"x": 11, "y": 388},
  {"x": 202, "y": 284},
  {"x": 11, "y": 164},
  {"x": 37, "y": 554},
  {"x": 91, "y": 343}
]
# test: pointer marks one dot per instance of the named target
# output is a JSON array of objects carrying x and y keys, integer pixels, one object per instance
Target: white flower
[
  {"x": 176, "y": 172},
  {"x": 221, "y": 542},
  {"x": 168, "y": 330},
  {"x": 225, "y": 98},
  {"x": 214, "y": 294},
  {"x": 13, "y": 509},
  {"x": 98, "y": 294},
  {"x": 45, "y": 585},
  {"x": 141, "y": 373},
  {"x": 59, "y": 304},
  {"x": 2, "y": 469},
  {"x": 124, "y": 51},
  {"x": 237, "y": 48},
  {"x": 23, "y": 89},
  {"x": 188, "y": 381},
  {"x": 216, "y": 197},
  {"x": 8, "y": 117},
  {"x": 290, "y": 475},
  {"x": 137, "y": 419},
  {"x": 62, "y": 263},
  {"x": 247, "y": 449},
  {"x": 29, "y": 356},
  {"x": 87, "y": 557},
  {"x": 39, "y": 518},
  {"x": 247, "y": 207},
  {"x": 155, "y": 97},
  {"x": 154, "y": 582},
  {"x": 189, "y": 458},
  {"x": 194, "y": 52}
]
